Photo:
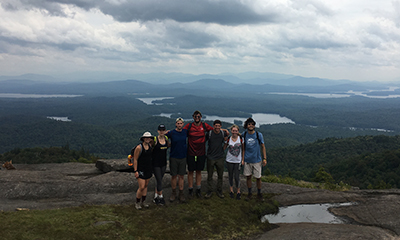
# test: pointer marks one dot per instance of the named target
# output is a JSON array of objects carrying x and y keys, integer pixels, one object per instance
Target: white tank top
[{"x": 234, "y": 154}]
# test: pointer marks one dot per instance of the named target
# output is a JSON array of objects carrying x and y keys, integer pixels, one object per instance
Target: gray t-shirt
[{"x": 215, "y": 145}]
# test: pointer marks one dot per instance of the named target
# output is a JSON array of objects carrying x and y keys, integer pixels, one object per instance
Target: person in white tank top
[{"x": 234, "y": 159}]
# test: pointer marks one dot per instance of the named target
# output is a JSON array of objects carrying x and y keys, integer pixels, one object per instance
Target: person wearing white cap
[{"x": 143, "y": 169}]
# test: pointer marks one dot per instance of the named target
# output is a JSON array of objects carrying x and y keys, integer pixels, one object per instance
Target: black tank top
[
  {"x": 144, "y": 160},
  {"x": 160, "y": 154}
]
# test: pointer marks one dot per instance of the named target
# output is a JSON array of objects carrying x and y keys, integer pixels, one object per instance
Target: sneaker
[
  {"x": 198, "y": 193},
  {"x": 232, "y": 195},
  {"x": 173, "y": 195},
  {"x": 137, "y": 206},
  {"x": 238, "y": 196},
  {"x": 208, "y": 194},
  {"x": 220, "y": 194},
  {"x": 249, "y": 196},
  {"x": 156, "y": 200},
  {"x": 145, "y": 205},
  {"x": 181, "y": 196},
  {"x": 161, "y": 201}
]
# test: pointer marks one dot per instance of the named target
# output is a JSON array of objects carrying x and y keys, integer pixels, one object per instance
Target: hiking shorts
[
  {"x": 252, "y": 169},
  {"x": 145, "y": 173},
  {"x": 196, "y": 163},
  {"x": 177, "y": 166}
]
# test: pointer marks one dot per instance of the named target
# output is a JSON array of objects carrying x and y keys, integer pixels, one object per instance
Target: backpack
[
  {"x": 156, "y": 138},
  {"x": 133, "y": 153},
  {"x": 244, "y": 137},
  {"x": 208, "y": 134},
  {"x": 241, "y": 139}
]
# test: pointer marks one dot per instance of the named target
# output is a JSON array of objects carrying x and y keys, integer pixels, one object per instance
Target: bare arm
[
  {"x": 136, "y": 155},
  {"x": 264, "y": 162}
]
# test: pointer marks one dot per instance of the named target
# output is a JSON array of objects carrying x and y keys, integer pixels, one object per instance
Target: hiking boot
[
  {"x": 249, "y": 196},
  {"x": 161, "y": 201},
  {"x": 191, "y": 193},
  {"x": 137, "y": 206},
  {"x": 173, "y": 195},
  {"x": 181, "y": 196},
  {"x": 238, "y": 196},
  {"x": 232, "y": 195},
  {"x": 198, "y": 193},
  {"x": 208, "y": 194},
  {"x": 220, "y": 194},
  {"x": 259, "y": 196}
]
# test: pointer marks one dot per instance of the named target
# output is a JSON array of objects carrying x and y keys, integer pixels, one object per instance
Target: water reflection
[
  {"x": 309, "y": 213},
  {"x": 150, "y": 101},
  {"x": 260, "y": 118}
]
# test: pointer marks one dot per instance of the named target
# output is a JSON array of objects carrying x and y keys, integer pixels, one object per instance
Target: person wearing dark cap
[
  {"x": 159, "y": 157},
  {"x": 253, "y": 159},
  {"x": 142, "y": 166}
]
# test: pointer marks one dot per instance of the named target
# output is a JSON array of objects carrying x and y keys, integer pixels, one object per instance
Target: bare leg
[
  {"x": 190, "y": 179},
  {"x": 173, "y": 182},
  {"x": 198, "y": 178},
  {"x": 181, "y": 182}
]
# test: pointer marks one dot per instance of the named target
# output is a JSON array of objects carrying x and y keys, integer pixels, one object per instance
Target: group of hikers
[{"x": 188, "y": 155}]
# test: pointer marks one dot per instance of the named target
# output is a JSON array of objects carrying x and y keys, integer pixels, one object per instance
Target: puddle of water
[{"x": 310, "y": 213}]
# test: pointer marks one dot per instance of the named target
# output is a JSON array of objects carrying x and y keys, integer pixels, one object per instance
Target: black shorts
[
  {"x": 145, "y": 174},
  {"x": 196, "y": 163}
]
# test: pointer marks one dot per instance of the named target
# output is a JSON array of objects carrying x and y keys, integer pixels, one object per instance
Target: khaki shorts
[
  {"x": 177, "y": 166},
  {"x": 252, "y": 169}
]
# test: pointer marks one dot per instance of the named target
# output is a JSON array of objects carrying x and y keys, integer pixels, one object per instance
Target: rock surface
[{"x": 49, "y": 186}]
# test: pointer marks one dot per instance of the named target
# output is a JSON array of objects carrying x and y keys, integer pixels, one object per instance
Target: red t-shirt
[{"x": 197, "y": 139}]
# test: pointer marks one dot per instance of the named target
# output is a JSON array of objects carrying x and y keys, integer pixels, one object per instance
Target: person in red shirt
[{"x": 196, "y": 157}]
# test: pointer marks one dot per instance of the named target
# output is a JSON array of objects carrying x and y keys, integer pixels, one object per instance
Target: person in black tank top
[
  {"x": 142, "y": 166},
  {"x": 159, "y": 157}
]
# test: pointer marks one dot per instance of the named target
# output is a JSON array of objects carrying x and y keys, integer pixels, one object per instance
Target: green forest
[{"x": 338, "y": 134}]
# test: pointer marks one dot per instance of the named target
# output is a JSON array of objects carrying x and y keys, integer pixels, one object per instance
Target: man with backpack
[
  {"x": 215, "y": 158},
  {"x": 196, "y": 157},
  {"x": 253, "y": 160}
]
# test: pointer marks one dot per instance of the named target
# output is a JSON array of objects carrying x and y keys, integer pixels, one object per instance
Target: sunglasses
[
  {"x": 198, "y": 116},
  {"x": 251, "y": 124}
]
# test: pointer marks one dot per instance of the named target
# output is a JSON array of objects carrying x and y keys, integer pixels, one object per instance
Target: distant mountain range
[{"x": 158, "y": 83}]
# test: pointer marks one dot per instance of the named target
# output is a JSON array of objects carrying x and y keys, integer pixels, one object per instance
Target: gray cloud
[{"x": 224, "y": 12}]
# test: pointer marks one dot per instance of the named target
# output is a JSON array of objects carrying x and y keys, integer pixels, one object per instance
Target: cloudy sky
[{"x": 337, "y": 39}]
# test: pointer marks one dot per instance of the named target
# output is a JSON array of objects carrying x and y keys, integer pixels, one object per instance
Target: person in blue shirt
[
  {"x": 177, "y": 160},
  {"x": 253, "y": 159}
]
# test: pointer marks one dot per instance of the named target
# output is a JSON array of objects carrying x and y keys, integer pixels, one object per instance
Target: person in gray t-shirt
[{"x": 215, "y": 157}]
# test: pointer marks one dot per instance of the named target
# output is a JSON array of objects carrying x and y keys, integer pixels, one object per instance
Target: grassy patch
[
  {"x": 213, "y": 218},
  {"x": 300, "y": 183}
]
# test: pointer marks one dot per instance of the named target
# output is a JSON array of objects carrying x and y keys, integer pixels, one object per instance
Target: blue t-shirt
[
  {"x": 252, "y": 152},
  {"x": 178, "y": 143}
]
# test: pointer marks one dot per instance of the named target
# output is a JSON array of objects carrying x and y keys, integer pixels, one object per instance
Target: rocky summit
[{"x": 48, "y": 186}]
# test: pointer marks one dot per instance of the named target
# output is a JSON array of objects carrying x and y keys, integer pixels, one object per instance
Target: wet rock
[{"x": 49, "y": 186}]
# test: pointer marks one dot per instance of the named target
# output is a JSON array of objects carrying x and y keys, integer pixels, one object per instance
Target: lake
[{"x": 260, "y": 118}]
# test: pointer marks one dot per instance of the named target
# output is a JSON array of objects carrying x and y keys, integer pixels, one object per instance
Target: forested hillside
[
  {"x": 47, "y": 155},
  {"x": 364, "y": 161}
]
